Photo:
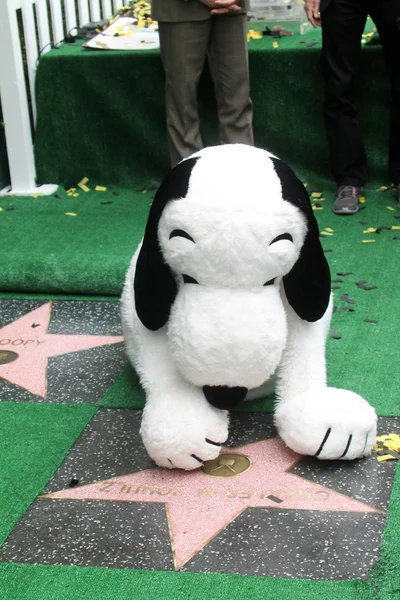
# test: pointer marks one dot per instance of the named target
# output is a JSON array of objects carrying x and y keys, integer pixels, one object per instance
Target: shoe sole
[{"x": 345, "y": 211}]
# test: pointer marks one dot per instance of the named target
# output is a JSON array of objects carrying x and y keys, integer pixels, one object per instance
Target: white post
[
  {"x": 107, "y": 10},
  {"x": 83, "y": 10},
  {"x": 13, "y": 92},
  {"x": 43, "y": 26},
  {"x": 56, "y": 21},
  {"x": 95, "y": 10},
  {"x": 30, "y": 48},
  {"x": 15, "y": 106},
  {"x": 70, "y": 15}
]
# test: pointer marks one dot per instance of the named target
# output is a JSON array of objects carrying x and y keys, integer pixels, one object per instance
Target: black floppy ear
[
  {"x": 308, "y": 284},
  {"x": 155, "y": 286}
]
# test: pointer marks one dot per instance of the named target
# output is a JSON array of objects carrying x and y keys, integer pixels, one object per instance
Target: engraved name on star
[
  {"x": 25, "y": 347},
  {"x": 200, "y": 504}
]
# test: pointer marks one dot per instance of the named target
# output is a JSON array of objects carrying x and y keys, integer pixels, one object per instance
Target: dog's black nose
[{"x": 224, "y": 397}]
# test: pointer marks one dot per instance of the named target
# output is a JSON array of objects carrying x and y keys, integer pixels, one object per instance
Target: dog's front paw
[
  {"x": 330, "y": 424},
  {"x": 184, "y": 430}
]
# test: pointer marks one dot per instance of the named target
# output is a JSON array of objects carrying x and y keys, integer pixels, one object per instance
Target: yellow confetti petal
[
  {"x": 329, "y": 229},
  {"x": 275, "y": 44},
  {"x": 390, "y": 207},
  {"x": 362, "y": 199},
  {"x": 75, "y": 195},
  {"x": 1, "y": 209},
  {"x": 316, "y": 195},
  {"x": 368, "y": 241},
  {"x": 254, "y": 35},
  {"x": 100, "y": 188},
  {"x": 370, "y": 230},
  {"x": 385, "y": 457},
  {"x": 69, "y": 214},
  {"x": 317, "y": 208},
  {"x": 389, "y": 437},
  {"x": 37, "y": 195},
  {"x": 383, "y": 188},
  {"x": 71, "y": 190},
  {"x": 395, "y": 226},
  {"x": 326, "y": 233},
  {"x": 82, "y": 184}
]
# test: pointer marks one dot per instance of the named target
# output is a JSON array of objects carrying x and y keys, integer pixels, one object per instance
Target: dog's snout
[{"x": 224, "y": 397}]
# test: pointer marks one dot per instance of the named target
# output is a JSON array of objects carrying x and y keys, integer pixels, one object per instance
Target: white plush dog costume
[{"x": 228, "y": 297}]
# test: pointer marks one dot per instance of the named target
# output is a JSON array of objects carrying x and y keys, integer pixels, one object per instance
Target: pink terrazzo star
[
  {"x": 199, "y": 506},
  {"x": 28, "y": 338}
]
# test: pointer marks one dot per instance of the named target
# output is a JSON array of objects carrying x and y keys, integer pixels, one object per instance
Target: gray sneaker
[{"x": 346, "y": 202}]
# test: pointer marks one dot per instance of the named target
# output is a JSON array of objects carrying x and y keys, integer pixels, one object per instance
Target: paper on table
[{"x": 124, "y": 34}]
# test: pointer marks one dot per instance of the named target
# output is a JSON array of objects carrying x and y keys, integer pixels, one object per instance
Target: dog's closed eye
[
  {"x": 283, "y": 236},
  {"x": 181, "y": 233}
]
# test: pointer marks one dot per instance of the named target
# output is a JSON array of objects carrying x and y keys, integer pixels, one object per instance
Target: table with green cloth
[{"x": 100, "y": 113}]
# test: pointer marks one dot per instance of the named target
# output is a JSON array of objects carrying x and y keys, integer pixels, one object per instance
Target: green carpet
[
  {"x": 47, "y": 251},
  {"x": 101, "y": 114},
  {"x": 47, "y": 254},
  {"x": 89, "y": 253},
  {"x": 23, "y": 582},
  {"x": 34, "y": 440}
]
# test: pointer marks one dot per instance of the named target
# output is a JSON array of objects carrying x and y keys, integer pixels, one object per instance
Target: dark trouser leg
[
  {"x": 385, "y": 14},
  {"x": 343, "y": 23},
  {"x": 228, "y": 60},
  {"x": 183, "y": 52}
]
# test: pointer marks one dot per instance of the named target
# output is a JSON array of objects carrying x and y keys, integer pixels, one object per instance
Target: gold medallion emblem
[
  {"x": 6, "y": 356},
  {"x": 227, "y": 465}
]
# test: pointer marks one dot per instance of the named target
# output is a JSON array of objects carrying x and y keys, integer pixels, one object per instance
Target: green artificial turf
[
  {"x": 26, "y": 582},
  {"x": 36, "y": 437},
  {"x": 87, "y": 252},
  {"x": 101, "y": 114},
  {"x": 34, "y": 440},
  {"x": 108, "y": 125}
]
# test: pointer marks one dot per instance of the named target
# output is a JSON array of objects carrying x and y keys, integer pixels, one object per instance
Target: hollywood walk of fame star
[
  {"x": 25, "y": 347},
  {"x": 201, "y": 503}
]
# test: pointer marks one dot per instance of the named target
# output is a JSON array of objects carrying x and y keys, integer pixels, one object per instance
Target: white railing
[{"x": 44, "y": 24}]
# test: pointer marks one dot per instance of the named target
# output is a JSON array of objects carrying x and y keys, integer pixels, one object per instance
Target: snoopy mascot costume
[{"x": 228, "y": 298}]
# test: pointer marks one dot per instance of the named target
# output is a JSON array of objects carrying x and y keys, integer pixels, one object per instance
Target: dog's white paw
[
  {"x": 330, "y": 424},
  {"x": 181, "y": 429}
]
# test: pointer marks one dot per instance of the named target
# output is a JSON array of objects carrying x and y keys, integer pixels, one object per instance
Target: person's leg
[
  {"x": 183, "y": 51},
  {"x": 228, "y": 60},
  {"x": 386, "y": 15},
  {"x": 343, "y": 23}
]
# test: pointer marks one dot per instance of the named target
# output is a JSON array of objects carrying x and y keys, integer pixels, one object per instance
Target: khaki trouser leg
[
  {"x": 183, "y": 52},
  {"x": 228, "y": 60}
]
